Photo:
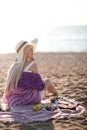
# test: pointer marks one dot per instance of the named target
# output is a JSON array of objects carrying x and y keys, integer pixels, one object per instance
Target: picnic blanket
[{"x": 60, "y": 108}]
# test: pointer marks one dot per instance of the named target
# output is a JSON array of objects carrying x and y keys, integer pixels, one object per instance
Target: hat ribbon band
[{"x": 21, "y": 46}]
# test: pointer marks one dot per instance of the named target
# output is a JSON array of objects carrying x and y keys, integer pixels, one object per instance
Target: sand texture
[{"x": 68, "y": 73}]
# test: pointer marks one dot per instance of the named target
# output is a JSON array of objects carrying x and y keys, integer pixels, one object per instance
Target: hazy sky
[{"x": 27, "y": 19}]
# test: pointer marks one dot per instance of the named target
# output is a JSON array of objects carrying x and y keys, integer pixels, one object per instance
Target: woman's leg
[{"x": 50, "y": 88}]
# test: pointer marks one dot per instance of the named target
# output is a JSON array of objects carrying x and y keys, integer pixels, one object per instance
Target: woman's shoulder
[
  {"x": 34, "y": 68},
  {"x": 31, "y": 67},
  {"x": 28, "y": 65}
]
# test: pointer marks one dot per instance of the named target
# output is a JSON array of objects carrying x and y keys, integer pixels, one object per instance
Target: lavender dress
[{"x": 29, "y": 90}]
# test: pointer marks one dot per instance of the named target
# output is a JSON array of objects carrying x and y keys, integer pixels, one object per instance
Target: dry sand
[{"x": 68, "y": 73}]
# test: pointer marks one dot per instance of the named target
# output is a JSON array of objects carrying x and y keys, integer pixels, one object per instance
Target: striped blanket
[{"x": 25, "y": 114}]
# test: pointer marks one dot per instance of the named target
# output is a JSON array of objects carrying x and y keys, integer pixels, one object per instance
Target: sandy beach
[{"x": 68, "y": 73}]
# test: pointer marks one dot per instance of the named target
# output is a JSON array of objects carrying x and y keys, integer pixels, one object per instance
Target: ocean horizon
[
  {"x": 56, "y": 39},
  {"x": 64, "y": 39}
]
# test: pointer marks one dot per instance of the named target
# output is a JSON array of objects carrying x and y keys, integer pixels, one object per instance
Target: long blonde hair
[{"x": 15, "y": 72}]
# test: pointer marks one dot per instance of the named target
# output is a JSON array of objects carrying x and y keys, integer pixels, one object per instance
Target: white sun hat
[{"x": 21, "y": 45}]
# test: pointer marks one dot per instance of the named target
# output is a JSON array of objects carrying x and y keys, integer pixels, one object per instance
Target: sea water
[{"x": 64, "y": 39}]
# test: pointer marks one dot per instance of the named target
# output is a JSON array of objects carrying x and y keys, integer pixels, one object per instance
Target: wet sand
[{"x": 68, "y": 73}]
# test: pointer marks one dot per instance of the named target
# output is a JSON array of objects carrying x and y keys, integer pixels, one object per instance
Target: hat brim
[{"x": 32, "y": 43}]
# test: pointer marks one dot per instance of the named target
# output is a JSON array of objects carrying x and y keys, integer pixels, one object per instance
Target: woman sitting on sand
[{"x": 24, "y": 84}]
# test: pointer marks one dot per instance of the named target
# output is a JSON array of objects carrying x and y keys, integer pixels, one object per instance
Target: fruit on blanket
[
  {"x": 51, "y": 107},
  {"x": 48, "y": 108},
  {"x": 53, "y": 100},
  {"x": 37, "y": 107}
]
